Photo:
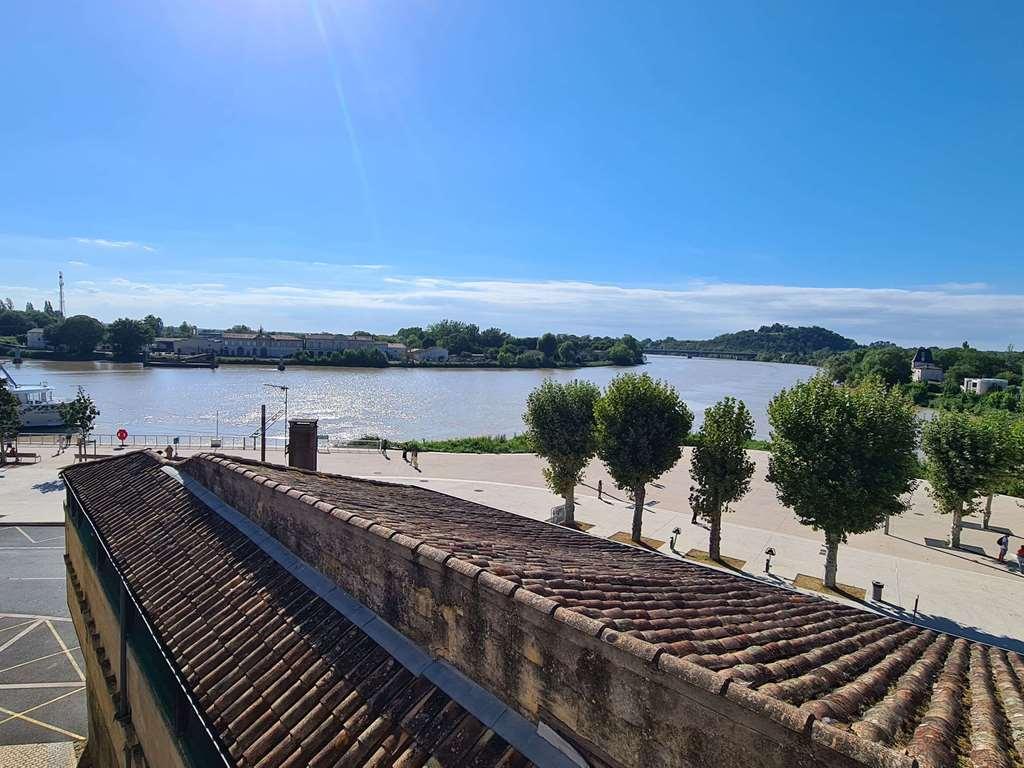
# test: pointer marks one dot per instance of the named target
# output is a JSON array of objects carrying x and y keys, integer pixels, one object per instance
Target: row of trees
[
  {"x": 841, "y": 457},
  {"x": 510, "y": 351}
]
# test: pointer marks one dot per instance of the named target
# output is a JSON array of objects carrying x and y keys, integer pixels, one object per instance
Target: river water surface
[{"x": 350, "y": 402}]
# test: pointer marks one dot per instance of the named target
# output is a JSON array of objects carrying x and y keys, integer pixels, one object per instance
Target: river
[{"x": 350, "y": 402}]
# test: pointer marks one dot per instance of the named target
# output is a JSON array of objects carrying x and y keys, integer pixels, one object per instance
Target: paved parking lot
[{"x": 42, "y": 688}]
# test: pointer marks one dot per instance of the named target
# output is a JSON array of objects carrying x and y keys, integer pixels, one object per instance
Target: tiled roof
[
  {"x": 284, "y": 678},
  {"x": 942, "y": 700}
]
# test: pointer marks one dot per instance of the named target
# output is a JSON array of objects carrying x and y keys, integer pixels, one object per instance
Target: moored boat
[{"x": 36, "y": 405}]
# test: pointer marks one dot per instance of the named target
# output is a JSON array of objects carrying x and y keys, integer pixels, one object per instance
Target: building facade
[
  {"x": 35, "y": 338},
  {"x": 923, "y": 367},
  {"x": 983, "y": 386}
]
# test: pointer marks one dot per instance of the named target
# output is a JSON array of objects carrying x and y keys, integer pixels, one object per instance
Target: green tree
[
  {"x": 568, "y": 352},
  {"x": 10, "y": 418},
  {"x": 890, "y": 364},
  {"x": 128, "y": 337},
  {"x": 720, "y": 466},
  {"x": 967, "y": 456},
  {"x": 842, "y": 457},
  {"x": 78, "y": 334},
  {"x": 456, "y": 337},
  {"x": 547, "y": 345},
  {"x": 240, "y": 328},
  {"x": 641, "y": 424},
  {"x": 79, "y": 415},
  {"x": 620, "y": 354},
  {"x": 560, "y": 426},
  {"x": 155, "y": 324}
]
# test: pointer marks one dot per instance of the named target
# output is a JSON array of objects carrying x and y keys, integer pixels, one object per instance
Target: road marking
[
  {"x": 22, "y": 715},
  {"x": 20, "y": 635},
  {"x": 19, "y": 686},
  {"x": 33, "y": 616},
  {"x": 18, "y": 528},
  {"x": 15, "y": 626},
  {"x": 32, "y": 548},
  {"x": 67, "y": 652},
  {"x": 41, "y": 658},
  {"x": 36, "y": 578}
]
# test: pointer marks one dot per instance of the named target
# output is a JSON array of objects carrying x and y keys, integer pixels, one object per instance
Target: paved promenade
[{"x": 964, "y": 591}]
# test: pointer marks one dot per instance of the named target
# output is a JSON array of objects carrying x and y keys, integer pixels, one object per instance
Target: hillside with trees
[{"x": 774, "y": 343}]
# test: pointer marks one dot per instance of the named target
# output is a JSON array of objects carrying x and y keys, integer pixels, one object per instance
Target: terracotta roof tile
[
  {"x": 943, "y": 700},
  {"x": 284, "y": 678}
]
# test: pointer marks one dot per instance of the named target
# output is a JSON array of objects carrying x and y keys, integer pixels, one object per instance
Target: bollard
[{"x": 876, "y": 591}]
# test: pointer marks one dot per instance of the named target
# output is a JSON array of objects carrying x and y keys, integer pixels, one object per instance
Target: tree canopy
[
  {"x": 128, "y": 337},
  {"x": 966, "y": 457},
  {"x": 560, "y": 426},
  {"x": 79, "y": 414},
  {"x": 79, "y": 334},
  {"x": 641, "y": 424},
  {"x": 720, "y": 467},
  {"x": 842, "y": 457},
  {"x": 10, "y": 418}
]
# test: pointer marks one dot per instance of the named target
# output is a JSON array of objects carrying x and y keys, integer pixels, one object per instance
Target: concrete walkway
[{"x": 963, "y": 591}]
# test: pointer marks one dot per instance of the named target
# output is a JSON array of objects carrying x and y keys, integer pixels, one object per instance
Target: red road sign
[{"x": 122, "y": 434}]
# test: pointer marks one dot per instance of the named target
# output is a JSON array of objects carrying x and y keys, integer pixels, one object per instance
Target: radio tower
[{"x": 60, "y": 278}]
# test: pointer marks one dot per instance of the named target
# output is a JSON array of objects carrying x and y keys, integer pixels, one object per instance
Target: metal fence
[{"x": 213, "y": 442}]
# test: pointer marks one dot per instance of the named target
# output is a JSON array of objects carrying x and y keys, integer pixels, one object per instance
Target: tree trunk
[
  {"x": 987, "y": 516},
  {"x": 831, "y": 558},
  {"x": 638, "y": 512},
  {"x": 715, "y": 540},
  {"x": 954, "y": 529},
  {"x": 569, "y": 508}
]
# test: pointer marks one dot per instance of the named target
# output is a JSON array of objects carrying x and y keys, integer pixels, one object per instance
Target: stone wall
[{"x": 617, "y": 698}]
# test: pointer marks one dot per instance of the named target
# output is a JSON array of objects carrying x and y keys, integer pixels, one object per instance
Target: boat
[{"x": 36, "y": 405}]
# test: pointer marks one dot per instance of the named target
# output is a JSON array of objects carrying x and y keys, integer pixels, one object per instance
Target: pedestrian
[
  {"x": 600, "y": 490},
  {"x": 1004, "y": 544},
  {"x": 405, "y": 452},
  {"x": 1020, "y": 560},
  {"x": 416, "y": 458},
  {"x": 384, "y": 446}
]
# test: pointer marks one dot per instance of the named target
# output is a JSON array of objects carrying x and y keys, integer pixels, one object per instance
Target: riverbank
[{"x": 551, "y": 365}]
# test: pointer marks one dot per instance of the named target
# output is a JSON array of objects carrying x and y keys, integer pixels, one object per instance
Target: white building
[
  {"x": 36, "y": 339},
  {"x": 923, "y": 368},
  {"x": 429, "y": 355},
  {"x": 983, "y": 386}
]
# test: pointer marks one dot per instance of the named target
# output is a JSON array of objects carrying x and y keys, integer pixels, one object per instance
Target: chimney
[{"x": 302, "y": 443}]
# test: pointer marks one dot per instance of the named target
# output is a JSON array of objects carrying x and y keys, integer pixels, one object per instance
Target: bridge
[{"x": 719, "y": 353}]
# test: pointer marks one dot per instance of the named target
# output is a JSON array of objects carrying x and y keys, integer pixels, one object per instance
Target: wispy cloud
[
  {"x": 102, "y": 243},
  {"x": 369, "y": 266},
  {"x": 697, "y": 309},
  {"x": 77, "y": 264}
]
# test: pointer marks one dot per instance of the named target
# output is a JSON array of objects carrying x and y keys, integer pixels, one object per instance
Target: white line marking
[
  {"x": 21, "y": 715},
  {"x": 14, "y": 626},
  {"x": 32, "y": 548},
  {"x": 64, "y": 648},
  {"x": 18, "y": 686},
  {"x": 33, "y": 616},
  {"x": 36, "y": 578},
  {"x": 19, "y": 530},
  {"x": 20, "y": 635},
  {"x": 41, "y": 658}
]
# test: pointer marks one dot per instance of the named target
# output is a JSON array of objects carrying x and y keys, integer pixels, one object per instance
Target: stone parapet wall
[{"x": 617, "y": 698}]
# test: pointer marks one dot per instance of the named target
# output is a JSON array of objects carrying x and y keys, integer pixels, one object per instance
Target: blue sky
[{"x": 673, "y": 168}]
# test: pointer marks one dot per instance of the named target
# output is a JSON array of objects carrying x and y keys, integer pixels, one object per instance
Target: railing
[{"x": 242, "y": 442}]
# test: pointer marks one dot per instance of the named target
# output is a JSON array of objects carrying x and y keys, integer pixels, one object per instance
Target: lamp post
[{"x": 284, "y": 389}]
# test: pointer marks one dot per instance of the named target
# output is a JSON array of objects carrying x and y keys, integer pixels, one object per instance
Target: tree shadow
[
  {"x": 990, "y": 529},
  {"x": 941, "y": 546},
  {"x": 50, "y": 486},
  {"x": 945, "y": 624}
]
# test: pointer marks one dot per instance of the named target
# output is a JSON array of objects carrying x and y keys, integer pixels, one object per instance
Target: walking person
[
  {"x": 405, "y": 452},
  {"x": 600, "y": 491},
  {"x": 1004, "y": 544},
  {"x": 1020, "y": 560},
  {"x": 415, "y": 458},
  {"x": 384, "y": 446}
]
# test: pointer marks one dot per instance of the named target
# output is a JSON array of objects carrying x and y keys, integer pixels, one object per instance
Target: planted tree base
[
  {"x": 804, "y": 581},
  {"x": 730, "y": 562},
  {"x": 624, "y": 537},
  {"x": 578, "y": 525}
]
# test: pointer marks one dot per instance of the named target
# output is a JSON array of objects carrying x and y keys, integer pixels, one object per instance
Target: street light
[{"x": 284, "y": 389}]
